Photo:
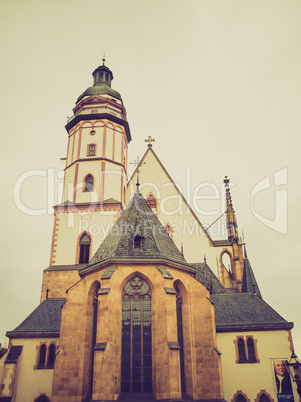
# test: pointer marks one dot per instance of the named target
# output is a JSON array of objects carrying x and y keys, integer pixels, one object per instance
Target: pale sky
[{"x": 216, "y": 83}]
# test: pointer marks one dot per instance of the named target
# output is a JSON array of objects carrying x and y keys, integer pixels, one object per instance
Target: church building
[{"x": 139, "y": 302}]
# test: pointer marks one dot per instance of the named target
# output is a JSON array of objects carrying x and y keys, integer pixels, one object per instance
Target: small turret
[{"x": 230, "y": 214}]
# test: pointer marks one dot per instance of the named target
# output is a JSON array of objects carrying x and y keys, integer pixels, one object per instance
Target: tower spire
[{"x": 230, "y": 214}]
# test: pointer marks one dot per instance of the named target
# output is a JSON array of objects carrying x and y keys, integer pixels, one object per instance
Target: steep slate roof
[
  {"x": 245, "y": 311},
  {"x": 44, "y": 321},
  {"x": 137, "y": 220},
  {"x": 207, "y": 278},
  {"x": 248, "y": 279}
]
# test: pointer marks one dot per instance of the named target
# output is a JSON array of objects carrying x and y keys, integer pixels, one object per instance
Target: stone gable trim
[{"x": 63, "y": 209}]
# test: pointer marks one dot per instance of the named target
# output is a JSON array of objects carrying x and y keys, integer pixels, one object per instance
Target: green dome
[
  {"x": 99, "y": 90},
  {"x": 102, "y": 84}
]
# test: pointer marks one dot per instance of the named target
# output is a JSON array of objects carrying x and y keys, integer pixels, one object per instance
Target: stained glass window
[{"x": 136, "y": 357}]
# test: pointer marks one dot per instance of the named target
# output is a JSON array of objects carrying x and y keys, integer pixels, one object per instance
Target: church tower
[{"x": 95, "y": 172}]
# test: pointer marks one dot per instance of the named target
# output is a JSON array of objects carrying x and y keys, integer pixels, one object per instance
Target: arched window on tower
[
  {"x": 89, "y": 183},
  {"x": 42, "y": 357},
  {"x": 84, "y": 249}
]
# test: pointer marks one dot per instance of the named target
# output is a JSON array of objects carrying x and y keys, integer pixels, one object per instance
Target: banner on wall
[{"x": 283, "y": 381}]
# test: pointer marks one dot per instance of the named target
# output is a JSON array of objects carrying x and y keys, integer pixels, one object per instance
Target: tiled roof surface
[
  {"x": 207, "y": 278},
  {"x": 13, "y": 354},
  {"x": 249, "y": 283},
  {"x": 238, "y": 311},
  {"x": 138, "y": 220},
  {"x": 45, "y": 320}
]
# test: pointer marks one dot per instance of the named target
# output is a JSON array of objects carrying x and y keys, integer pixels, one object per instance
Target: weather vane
[{"x": 103, "y": 57}]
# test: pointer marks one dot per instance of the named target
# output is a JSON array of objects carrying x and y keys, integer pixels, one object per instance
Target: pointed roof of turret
[
  {"x": 230, "y": 214},
  {"x": 137, "y": 236},
  {"x": 249, "y": 283}
]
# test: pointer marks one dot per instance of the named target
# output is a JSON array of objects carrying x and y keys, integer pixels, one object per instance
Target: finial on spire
[
  {"x": 103, "y": 57},
  {"x": 182, "y": 249},
  {"x": 47, "y": 291},
  {"x": 149, "y": 140},
  {"x": 230, "y": 213},
  {"x": 205, "y": 260}
]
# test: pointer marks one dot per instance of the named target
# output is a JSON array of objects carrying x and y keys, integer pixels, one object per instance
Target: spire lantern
[{"x": 102, "y": 75}]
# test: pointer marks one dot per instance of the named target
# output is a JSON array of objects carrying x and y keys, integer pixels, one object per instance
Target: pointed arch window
[
  {"x": 246, "y": 350},
  {"x": 42, "y": 356},
  {"x": 84, "y": 249},
  {"x": 89, "y": 183},
  {"x": 136, "y": 355},
  {"x": 264, "y": 398},
  {"x": 240, "y": 398},
  {"x": 241, "y": 350},
  {"x": 51, "y": 356},
  {"x": 42, "y": 398},
  {"x": 179, "y": 301},
  {"x": 251, "y": 350}
]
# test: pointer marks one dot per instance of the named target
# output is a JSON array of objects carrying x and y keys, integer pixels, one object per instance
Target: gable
[{"x": 174, "y": 210}]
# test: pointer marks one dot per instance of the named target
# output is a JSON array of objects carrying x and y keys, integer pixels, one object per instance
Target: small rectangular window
[
  {"x": 91, "y": 150},
  {"x": 94, "y": 111}
]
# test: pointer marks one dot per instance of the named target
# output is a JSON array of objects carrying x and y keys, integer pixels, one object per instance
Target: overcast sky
[{"x": 216, "y": 83}]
